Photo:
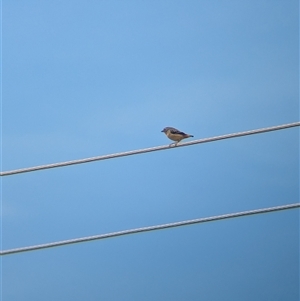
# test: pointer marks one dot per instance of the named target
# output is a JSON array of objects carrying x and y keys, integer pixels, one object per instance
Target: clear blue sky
[{"x": 89, "y": 78}]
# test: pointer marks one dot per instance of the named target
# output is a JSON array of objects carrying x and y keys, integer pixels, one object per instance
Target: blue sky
[{"x": 83, "y": 79}]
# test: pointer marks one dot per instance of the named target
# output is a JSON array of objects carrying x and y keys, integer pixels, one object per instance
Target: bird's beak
[{"x": 162, "y": 130}]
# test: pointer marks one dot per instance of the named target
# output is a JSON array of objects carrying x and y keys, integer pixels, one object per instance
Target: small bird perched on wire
[{"x": 175, "y": 135}]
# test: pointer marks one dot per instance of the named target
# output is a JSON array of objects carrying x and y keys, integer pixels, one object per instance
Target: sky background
[{"x": 89, "y": 78}]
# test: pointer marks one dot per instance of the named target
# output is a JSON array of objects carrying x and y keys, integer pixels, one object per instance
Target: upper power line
[{"x": 151, "y": 149}]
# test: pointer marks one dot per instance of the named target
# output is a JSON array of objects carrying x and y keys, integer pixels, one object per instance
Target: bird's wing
[{"x": 174, "y": 131}]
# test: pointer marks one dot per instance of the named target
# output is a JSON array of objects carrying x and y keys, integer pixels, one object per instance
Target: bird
[{"x": 175, "y": 135}]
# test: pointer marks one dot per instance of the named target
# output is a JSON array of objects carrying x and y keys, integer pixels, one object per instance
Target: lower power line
[{"x": 150, "y": 228}]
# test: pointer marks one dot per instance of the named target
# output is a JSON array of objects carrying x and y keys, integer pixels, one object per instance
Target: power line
[
  {"x": 147, "y": 229},
  {"x": 151, "y": 149}
]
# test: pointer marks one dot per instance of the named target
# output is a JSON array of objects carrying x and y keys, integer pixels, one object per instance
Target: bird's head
[{"x": 166, "y": 129}]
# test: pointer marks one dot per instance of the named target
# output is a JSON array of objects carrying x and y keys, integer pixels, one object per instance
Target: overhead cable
[
  {"x": 151, "y": 149},
  {"x": 147, "y": 229}
]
